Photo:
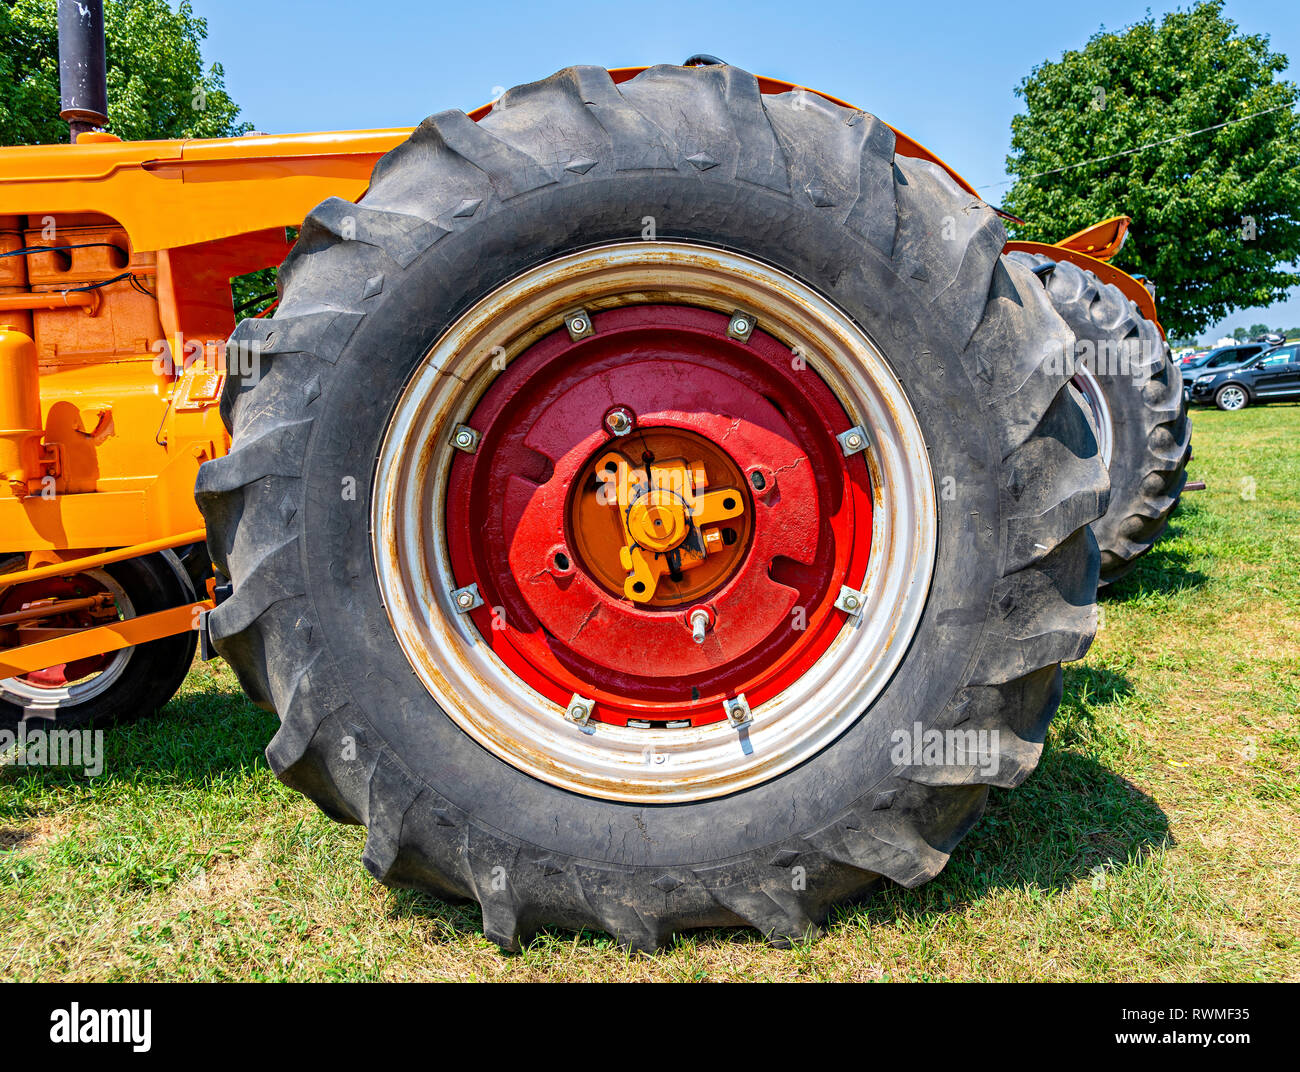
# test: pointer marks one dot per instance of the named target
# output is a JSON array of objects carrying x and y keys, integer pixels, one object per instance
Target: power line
[{"x": 1130, "y": 152}]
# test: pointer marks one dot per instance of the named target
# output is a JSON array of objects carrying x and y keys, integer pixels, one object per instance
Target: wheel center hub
[{"x": 671, "y": 519}]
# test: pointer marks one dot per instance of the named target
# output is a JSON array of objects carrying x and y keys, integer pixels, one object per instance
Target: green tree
[
  {"x": 1215, "y": 214},
  {"x": 158, "y": 86}
]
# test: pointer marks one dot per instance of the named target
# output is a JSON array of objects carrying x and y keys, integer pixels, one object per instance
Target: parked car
[
  {"x": 1271, "y": 377},
  {"x": 1218, "y": 359}
]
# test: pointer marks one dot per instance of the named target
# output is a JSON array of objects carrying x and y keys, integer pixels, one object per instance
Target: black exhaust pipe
[{"x": 83, "y": 79}]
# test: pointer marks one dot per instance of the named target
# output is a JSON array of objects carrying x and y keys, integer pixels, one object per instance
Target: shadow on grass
[
  {"x": 14, "y": 838},
  {"x": 191, "y": 740},
  {"x": 1072, "y": 819},
  {"x": 1072, "y": 816},
  {"x": 1164, "y": 570}
]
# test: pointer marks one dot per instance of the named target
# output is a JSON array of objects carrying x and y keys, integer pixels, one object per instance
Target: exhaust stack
[{"x": 83, "y": 80}]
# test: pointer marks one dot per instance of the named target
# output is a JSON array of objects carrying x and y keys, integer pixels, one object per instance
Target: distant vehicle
[
  {"x": 1218, "y": 359},
  {"x": 1273, "y": 376}
]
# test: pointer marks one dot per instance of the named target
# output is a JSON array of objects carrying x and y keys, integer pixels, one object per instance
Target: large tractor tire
[
  {"x": 105, "y": 689},
  {"x": 633, "y": 481},
  {"x": 1135, "y": 391}
]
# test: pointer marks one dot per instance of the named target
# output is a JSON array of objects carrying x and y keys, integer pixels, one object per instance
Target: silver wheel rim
[
  {"x": 1086, "y": 383},
  {"x": 47, "y": 702},
  {"x": 1232, "y": 398},
  {"x": 501, "y": 711}
]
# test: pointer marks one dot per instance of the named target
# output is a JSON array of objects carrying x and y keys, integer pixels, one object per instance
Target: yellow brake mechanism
[{"x": 670, "y": 523}]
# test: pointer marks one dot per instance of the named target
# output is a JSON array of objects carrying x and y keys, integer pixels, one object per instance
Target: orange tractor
[{"x": 661, "y": 498}]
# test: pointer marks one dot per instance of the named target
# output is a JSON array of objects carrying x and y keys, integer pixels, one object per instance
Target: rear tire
[
  {"x": 567, "y": 164},
  {"x": 1142, "y": 400}
]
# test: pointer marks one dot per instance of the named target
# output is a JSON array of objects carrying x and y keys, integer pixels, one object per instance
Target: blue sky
[{"x": 942, "y": 71}]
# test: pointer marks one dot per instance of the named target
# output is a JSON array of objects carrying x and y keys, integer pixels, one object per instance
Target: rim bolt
[
  {"x": 853, "y": 440},
  {"x": 849, "y": 601},
  {"x": 579, "y": 709},
  {"x": 463, "y": 437},
  {"x": 741, "y": 326},
  {"x": 738, "y": 712},
  {"x": 466, "y": 598},
  {"x": 579, "y": 325}
]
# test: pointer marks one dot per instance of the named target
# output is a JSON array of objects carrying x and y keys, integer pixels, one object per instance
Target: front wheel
[
  {"x": 1231, "y": 398},
  {"x": 101, "y": 689},
  {"x": 646, "y": 520}
]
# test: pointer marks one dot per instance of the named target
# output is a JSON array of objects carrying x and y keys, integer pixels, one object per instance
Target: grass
[{"x": 1157, "y": 840}]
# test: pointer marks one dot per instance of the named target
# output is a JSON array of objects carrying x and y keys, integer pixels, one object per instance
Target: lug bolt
[
  {"x": 853, "y": 440},
  {"x": 619, "y": 422},
  {"x": 464, "y": 599},
  {"x": 699, "y": 624}
]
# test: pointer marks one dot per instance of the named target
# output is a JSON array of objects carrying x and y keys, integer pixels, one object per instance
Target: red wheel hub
[
  {"x": 726, "y": 492},
  {"x": 59, "y": 589}
]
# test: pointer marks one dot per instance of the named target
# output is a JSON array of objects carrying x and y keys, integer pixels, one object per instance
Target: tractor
[{"x": 661, "y": 498}]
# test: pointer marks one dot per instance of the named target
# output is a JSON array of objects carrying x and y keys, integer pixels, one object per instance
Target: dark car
[
  {"x": 1219, "y": 359},
  {"x": 1270, "y": 377}
]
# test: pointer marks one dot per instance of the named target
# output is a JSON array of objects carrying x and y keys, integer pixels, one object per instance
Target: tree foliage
[
  {"x": 1216, "y": 216},
  {"x": 158, "y": 86}
]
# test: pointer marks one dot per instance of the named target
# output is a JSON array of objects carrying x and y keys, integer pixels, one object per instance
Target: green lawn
[{"x": 1158, "y": 839}]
